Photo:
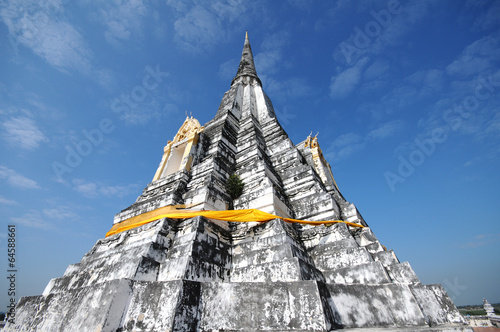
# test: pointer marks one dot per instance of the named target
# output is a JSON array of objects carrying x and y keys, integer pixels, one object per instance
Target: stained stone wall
[{"x": 194, "y": 275}]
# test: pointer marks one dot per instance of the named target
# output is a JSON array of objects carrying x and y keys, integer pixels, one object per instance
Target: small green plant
[{"x": 234, "y": 186}]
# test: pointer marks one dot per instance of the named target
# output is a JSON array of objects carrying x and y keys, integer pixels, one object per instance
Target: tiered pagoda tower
[{"x": 200, "y": 274}]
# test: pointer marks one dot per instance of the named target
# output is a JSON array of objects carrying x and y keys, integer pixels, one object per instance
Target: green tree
[{"x": 234, "y": 187}]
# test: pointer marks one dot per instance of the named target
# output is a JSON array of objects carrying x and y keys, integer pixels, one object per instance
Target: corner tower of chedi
[{"x": 169, "y": 265}]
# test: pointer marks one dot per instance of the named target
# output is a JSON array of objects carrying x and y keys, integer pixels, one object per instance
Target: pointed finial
[{"x": 247, "y": 66}]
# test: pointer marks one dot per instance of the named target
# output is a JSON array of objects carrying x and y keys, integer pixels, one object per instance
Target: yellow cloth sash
[{"x": 246, "y": 215}]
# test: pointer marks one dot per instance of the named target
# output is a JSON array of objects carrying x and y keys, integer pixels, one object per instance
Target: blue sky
[{"x": 404, "y": 95}]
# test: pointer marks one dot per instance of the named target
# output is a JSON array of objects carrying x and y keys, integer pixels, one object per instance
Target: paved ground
[{"x": 486, "y": 329}]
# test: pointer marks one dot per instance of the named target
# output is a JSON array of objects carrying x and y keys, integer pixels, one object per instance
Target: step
[
  {"x": 192, "y": 268},
  {"x": 290, "y": 269},
  {"x": 153, "y": 251},
  {"x": 137, "y": 237},
  {"x": 162, "y": 306},
  {"x": 320, "y": 235},
  {"x": 261, "y": 243},
  {"x": 368, "y": 273},
  {"x": 402, "y": 273},
  {"x": 388, "y": 305},
  {"x": 365, "y": 237},
  {"x": 387, "y": 257},
  {"x": 83, "y": 309},
  {"x": 374, "y": 247},
  {"x": 342, "y": 258},
  {"x": 432, "y": 308},
  {"x": 137, "y": 268},
  {"x": 274, "y": 253},
  {"x": 333, "y": 246},
  {"x": 246, "y": 306}
]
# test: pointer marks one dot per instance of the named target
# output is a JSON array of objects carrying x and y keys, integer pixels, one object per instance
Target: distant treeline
[{"x": 477, "y": 309}]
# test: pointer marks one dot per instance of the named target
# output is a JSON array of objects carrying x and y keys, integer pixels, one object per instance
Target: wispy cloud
[
  {"x": 122, "y": 19},
  {"x": 291, "y": 88},
  {"x": 33, "y": 219},
  {"x": 270, "y": 56},
  {"x": 449, "y": 88},
  {"x": 17, "y": 180},
  {"x": 23, "y": 133},
  {"x": 228, "y": 69},
  {"x": 230, "y": 10},
  {"x": 6, "y": 201},
  {"x": 46, "y": 218},
  {"x": 493, "y": 126},
  {"x": 345, "y": 81},
  {"x": 199, "y": 29},
  {"x": 377, "y": 69},
  {"x": 41, "y": 26},
  {"x": 386, "y": 130},
  {"x": 485, "y": 19},
  {"x": 345, "y": 146},
  {"x": 59, "y": 213},
  {"x": 430, "y": 81},
  {"x": 409, "y": 15},
  {"x": 201, "y": 26},
  {"x": 482, "y": 240},
  {"x": 479, "y": 57},
  {"x": 97, "y": 189}
]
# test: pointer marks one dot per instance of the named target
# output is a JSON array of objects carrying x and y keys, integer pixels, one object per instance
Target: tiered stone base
[{"x": 194, "y": 275}]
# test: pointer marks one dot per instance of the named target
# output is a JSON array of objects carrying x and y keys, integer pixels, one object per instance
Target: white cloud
[
  {"x": 47, "y": 218},
  {"x": 486, "y": 19},
  {"x": 6, "y": 201},
  {"x": 348, "y": 151},
  {"x": 269, "y": 59},
  {"x": 96, "y": 189},
  {"x": 32, "y": 219},
  {"x": 434, "y": 79},
  {"x": 481, "y": 240},
  {"x": 59, "y": 213},
  {"x": 344, "y": 146},
  {"x": 17, "y": 180},
  {"x": 301, "y": 5},
  {"x": 230, "y": 10},
  {"x": 228, "y": 69},
  {"x": 266, "y": 62},
  {"x": 40, "y": 26},
  {"x": 344, "y": 82},
  {"x": 348, "y": 144},
  {"x": 122, "y": 19},
  {"x": 386, "y": 130},
  {"x": 376, "y": 70},
  {"x": 291, "y": 88},
  {"x": 88, "y": 189},
  {"x": 493, "y": 126},
  {"x": 200, "y": 26},
  {"x": 198, "y": 30},
  {"x": 22, "y": 132},
  {"x": 391, "y": 34},
  {"x": 398, "y": 99},
  {"x": 478, "y": 58},
  {"x": 410, "y": 16}
]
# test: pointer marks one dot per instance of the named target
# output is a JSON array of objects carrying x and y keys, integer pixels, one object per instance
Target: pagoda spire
[{"x": 247, "y": 66}]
